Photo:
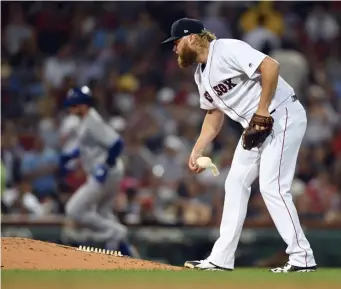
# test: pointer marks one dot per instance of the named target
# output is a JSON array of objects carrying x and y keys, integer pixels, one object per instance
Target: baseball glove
[{"x": 254, "y": 136}]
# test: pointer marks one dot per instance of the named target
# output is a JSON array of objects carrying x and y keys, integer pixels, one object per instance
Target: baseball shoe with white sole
[
  {"x": 204, "y": 265},
  {"x": 288, "y": 268}
]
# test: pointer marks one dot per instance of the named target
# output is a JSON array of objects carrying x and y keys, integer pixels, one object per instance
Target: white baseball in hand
[{"x": 206, "y": 162}]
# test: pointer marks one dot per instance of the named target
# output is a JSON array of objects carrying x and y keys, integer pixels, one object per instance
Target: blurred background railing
[{"x": 114, "y": 47}]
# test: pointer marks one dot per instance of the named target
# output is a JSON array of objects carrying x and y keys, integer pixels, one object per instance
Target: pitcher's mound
[{"x": 21, "y": 253}]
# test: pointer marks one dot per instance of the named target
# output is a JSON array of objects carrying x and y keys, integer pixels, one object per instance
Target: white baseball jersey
[
  {"x": 68, "y": 132},
  {"x": 231, "y": 83},
  {"x": 95, "y": 138}
]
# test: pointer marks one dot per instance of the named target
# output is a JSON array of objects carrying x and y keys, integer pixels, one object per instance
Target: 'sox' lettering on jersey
[
  {"x": 208, "y": 97},
  {"x": 224, "y": 87}
]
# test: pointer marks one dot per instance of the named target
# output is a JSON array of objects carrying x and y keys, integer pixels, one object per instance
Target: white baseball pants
[{"x": 275, "y": 164}]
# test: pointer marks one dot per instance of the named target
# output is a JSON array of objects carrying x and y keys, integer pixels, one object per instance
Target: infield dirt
[{"x": 21, "y": 253}]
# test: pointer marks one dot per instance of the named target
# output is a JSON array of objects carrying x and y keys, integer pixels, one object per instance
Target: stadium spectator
[
  {"x": 39, "y": 165},
  {"x": 294, "y": 66},
  {"x": 20, "y": 200},
  {"x": 57, "y": 68},
  {"x": 321, "y": 25},
  {"x": 17, "y": 29},
  {"x": 261, "y": 36}
]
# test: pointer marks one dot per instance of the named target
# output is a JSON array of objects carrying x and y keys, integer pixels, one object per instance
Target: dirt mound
[{"x": 21, "y": 253}]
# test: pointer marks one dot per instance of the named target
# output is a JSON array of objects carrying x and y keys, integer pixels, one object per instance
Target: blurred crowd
[{"x": 114, "y": 48}]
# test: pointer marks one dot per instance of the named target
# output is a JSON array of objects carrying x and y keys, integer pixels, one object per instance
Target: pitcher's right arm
[{"x": 211, "y": 126}]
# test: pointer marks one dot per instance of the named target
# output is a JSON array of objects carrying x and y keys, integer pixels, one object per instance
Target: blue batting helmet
[{"x": 77, "y": 96}]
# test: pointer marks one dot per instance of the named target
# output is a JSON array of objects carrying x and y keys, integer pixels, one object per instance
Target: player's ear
[{"x": 191, "y": 38}]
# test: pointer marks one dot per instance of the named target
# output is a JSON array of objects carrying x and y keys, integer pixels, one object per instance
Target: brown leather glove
[{"x": 254, "y": 136}]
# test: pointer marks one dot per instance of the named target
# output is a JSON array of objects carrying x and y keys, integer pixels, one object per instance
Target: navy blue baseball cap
[
  {"x": 78, "y": 95},
  {"x": 183, "y": 27}
]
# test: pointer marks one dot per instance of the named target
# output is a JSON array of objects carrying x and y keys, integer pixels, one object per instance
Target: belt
[{"x": 293, "y": 99}]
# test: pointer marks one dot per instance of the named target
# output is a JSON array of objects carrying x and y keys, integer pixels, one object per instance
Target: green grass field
[{"x": 238, "y": 279}]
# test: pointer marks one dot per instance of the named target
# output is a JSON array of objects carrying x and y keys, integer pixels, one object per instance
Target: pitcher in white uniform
[
  {"x": 99, "y": 148},
  {"x": 239, "y": 81}
]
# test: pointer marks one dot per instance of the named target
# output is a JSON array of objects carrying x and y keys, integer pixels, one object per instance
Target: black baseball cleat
[
  {"x": 287, "y": 268},
  {"x": 204, "y": 265}
]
